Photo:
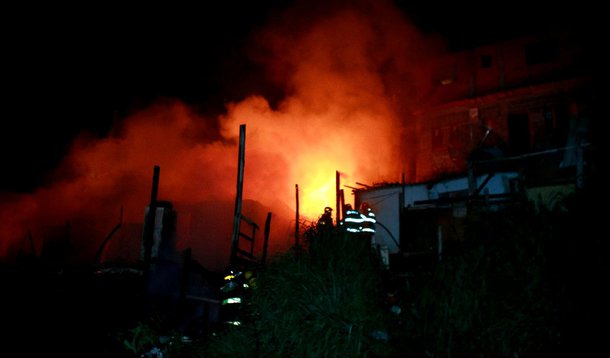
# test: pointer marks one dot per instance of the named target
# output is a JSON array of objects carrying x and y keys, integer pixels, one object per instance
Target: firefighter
[
  {"x": 357, "y": 231},
  {"x": 250, "y": 280},
  {"x": 324, "y": 230},
  {"x": 325, "y": 223},
  {"x": 352, "y": 223},
  {"x": 369, "y": 218},
  {"x": 368, "y": 224},
  {"x": 236, "y": 293},
  {"x": 232, "y": 293}
]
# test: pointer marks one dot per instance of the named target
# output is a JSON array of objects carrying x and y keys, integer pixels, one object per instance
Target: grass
[
  {"x": 507, "y": 289},
  {"x": 325, "y": 303}
]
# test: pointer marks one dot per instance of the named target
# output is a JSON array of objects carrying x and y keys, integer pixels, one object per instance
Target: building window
[
  {"x": 485, "y": 61},
  {"x": 518, "y": 133}
]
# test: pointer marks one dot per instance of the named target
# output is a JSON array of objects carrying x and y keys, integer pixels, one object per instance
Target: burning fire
[{"x": 347, "y": 74}]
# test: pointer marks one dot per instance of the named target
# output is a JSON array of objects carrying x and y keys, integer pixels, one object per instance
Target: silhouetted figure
[
  {"x": 325, "y": 222},
  {"x": 352, "y": 222},
  {"x": 369, "y": 220},
  {"x": 359, "y": 224}
]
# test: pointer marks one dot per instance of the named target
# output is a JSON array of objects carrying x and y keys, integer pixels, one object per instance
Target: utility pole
[{"x": 240, "y": 182}]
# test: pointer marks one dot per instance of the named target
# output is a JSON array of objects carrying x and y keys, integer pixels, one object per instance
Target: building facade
[
  {"x": 500, "y": 100},
  {"x": 498, "y": 122}
]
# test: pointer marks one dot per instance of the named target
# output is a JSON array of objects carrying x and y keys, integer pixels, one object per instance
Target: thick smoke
[{"x": 350, "y": 76}]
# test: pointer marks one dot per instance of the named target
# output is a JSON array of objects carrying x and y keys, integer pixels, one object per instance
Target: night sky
[{"x": 68, "y": 70}]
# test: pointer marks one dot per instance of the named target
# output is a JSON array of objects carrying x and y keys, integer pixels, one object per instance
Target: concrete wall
[{"x": 385, "y": 201}]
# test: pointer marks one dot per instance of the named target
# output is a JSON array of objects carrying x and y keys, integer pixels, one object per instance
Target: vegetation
[
  {"x": 323, "y": 301},
  {"x": 499, "y": 292},
  {"x": 493, "y": 296}
]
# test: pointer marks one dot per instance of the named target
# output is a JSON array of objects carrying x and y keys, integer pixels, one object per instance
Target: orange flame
[{"x": 348, "y": 78}]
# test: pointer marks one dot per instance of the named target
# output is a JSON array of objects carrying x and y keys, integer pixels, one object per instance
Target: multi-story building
[
  {"x": 501, "y": 100},
  {"x": 505, "y": 118}
]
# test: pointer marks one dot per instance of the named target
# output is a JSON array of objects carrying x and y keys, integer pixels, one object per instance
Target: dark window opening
[
  {"x": 485, "y": 61},
  {"x": 518, "y": 133}
]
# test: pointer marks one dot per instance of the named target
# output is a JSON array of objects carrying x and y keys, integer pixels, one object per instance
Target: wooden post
[
  {"x": 266, "y": 242},
  {"x": 401, "y": 209},
  {"x": 238, "y": 197},
  {"x": 149, "y": 227},
  {"x": 296, "y": 225},
  {"x": 338, "y": 208}
]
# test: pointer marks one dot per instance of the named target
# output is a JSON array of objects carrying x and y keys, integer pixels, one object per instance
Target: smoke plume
[{"x": 350, "y": 74}]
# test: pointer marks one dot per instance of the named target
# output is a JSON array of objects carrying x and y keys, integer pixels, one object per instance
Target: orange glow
[
  {"x": 348, "y": 78},
  {"x": 318, "y": 189}
]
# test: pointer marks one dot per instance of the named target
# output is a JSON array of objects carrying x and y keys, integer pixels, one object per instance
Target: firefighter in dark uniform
[
  {"x": 368, "y": 224},
  {"x": 232, "y": 294},
  {"x": 325, "y": 222},
  {"x": 352, "y": 223},
  {"x": 355, "y": 230}
]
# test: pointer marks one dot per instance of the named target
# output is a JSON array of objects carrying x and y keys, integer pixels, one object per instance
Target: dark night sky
[{"x": 66, "y": 70}]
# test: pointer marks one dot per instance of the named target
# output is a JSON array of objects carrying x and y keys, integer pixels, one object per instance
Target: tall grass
[
  {"x": 319, "y": 302},
  {"x": 503, "y": 291}
]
